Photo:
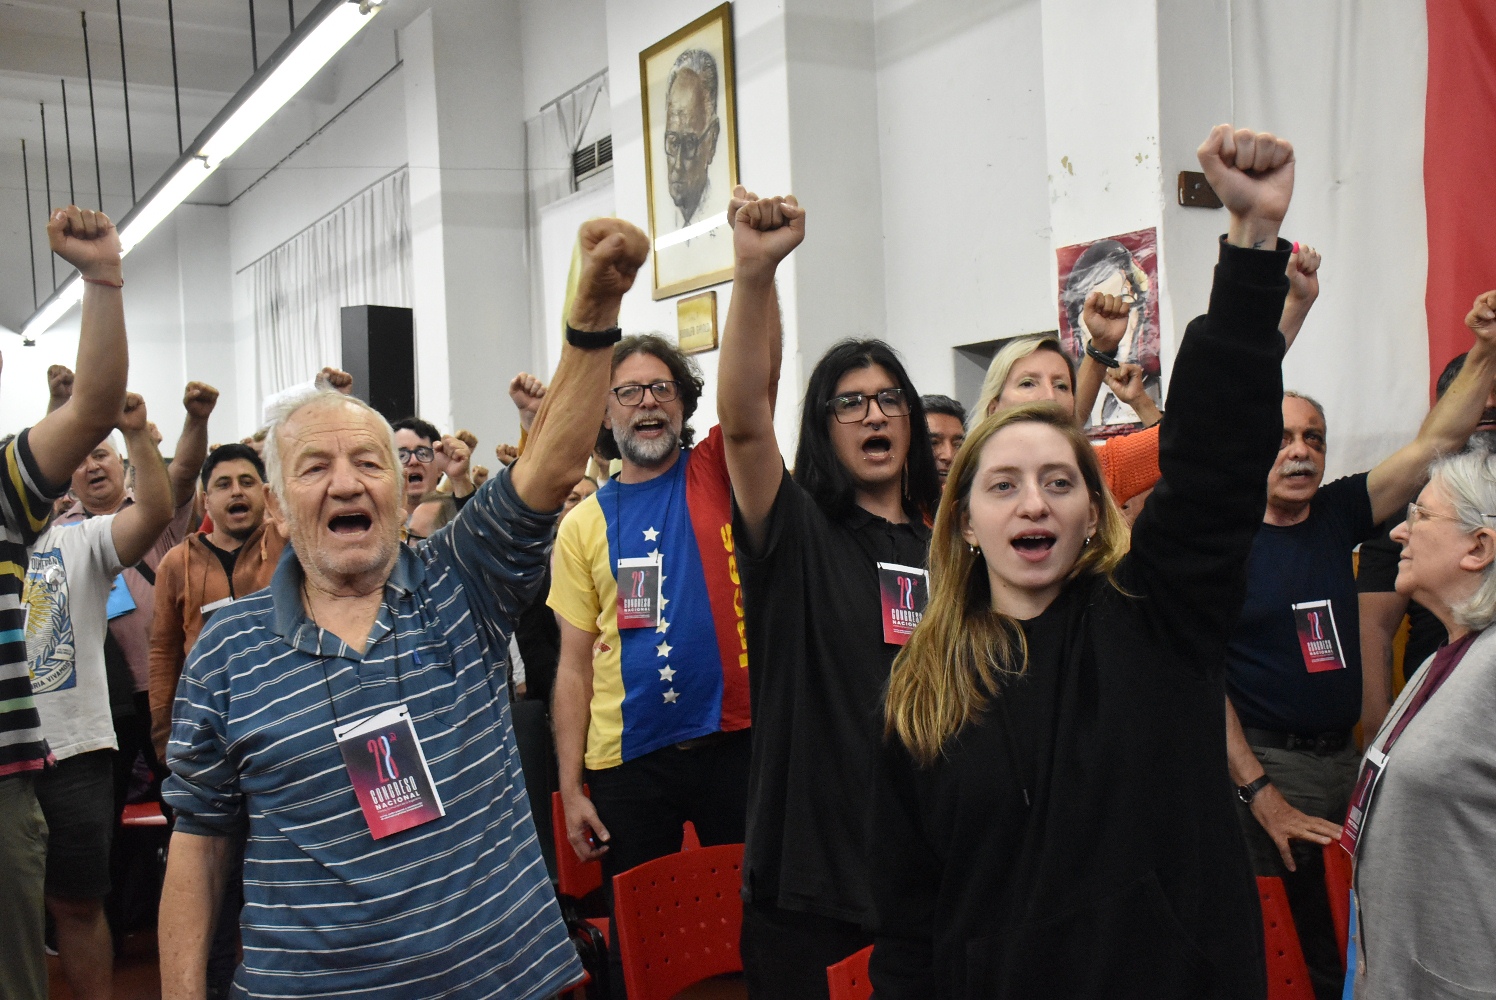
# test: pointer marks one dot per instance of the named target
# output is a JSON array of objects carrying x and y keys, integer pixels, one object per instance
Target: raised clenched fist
[
  {"x": 132, "y": 419},
  {"x": 1482, "y": 318},
  {"x": 1303, "y": 272},
  {"x": 468, "y": 438},
  {"x": 199, "y": 399},
  {"x": 1126, "y": 383},
  {"x": 506, "y": 454},
  {"x": 527, "y": 392},
  {"x": 480, "y": 475},
  {"x": 335, "y": 379},
  {"x": 1105, "y": 318},
  {"x": 87, "y": 240},
  {"x": 764, "y": 230},
  {"x": 59, "y": 384},
  {"x": 1251, "y": 172},
  {"x": 454, "y": 455},
  {"x": 613, "y": 250}
]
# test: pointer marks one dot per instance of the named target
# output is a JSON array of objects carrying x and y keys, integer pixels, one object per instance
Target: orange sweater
[
  {"x": 1130, "y": 463},
  {"x": 188, "y": 578}
]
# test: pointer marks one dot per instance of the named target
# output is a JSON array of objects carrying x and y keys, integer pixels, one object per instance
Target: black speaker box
[{"x": 379, "y": 351}]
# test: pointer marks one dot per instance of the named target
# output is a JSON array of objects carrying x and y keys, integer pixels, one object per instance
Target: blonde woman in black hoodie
[{"x": 1052, "y": 813}]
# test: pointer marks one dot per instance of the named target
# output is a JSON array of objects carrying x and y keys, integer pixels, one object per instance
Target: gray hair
[
  {"x": 1002, "y": 364},
  {"x": 1292, "y": 394},
  {"x": 1469, "y": 479},
  {"x": 704, "y": 65},
  {"x": 279, "y": 412}
]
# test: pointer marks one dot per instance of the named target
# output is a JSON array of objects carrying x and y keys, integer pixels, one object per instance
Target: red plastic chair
[
  {"x": 1287, "y": 975},
  {"x": 1338, "y": 885},
  {"x": 678, "y": 920},
  {"x": 142, "y": 814},
  {"x": 848, "y": 978}
]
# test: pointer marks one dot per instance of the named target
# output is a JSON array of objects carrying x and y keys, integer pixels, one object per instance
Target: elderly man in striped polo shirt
[{"x": 352, "y": 718}]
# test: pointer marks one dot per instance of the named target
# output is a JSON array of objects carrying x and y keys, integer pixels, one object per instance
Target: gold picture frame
[{"x": 689, "y": 102}]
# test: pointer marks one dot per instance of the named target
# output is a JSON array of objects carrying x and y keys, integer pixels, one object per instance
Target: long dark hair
[
  {"x": 688, "y": 383},
  {"x": 820, "y": 472}
]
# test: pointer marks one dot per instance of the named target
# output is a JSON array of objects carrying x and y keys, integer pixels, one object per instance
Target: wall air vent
[{"x": 591, "y": 158}]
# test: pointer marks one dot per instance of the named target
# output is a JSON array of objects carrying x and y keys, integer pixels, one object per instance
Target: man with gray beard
[
  {"x": 1293, "y": 665},
  {"x": 650, "y": 706}
]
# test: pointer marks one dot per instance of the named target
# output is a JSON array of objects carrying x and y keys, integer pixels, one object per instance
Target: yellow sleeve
[{"x": 580, "y": 553}]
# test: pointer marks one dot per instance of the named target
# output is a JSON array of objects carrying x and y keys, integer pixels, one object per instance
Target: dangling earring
[
  {"x": 1088, "y": 540},
  {"x": 976, "y": 550}
]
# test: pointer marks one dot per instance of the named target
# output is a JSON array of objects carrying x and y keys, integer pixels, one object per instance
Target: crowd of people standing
[{"x": 1025, "y": 713}]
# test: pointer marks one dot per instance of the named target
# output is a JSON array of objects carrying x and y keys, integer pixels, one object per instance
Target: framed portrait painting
[{"x": 690, "y": 152}]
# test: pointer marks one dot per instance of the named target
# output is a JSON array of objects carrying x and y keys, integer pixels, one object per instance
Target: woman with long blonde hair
[{"x": 1052, "y": 815}]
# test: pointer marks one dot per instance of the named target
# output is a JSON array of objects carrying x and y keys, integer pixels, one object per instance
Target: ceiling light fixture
[{"x": 316, "y": 40}]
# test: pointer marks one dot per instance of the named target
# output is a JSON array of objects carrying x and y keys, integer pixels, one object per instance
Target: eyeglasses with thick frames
[
  {"x": 685, "y": 144},
  {"x": 851, "y": 407},
  {"x": 421, "y": 453},
  {"x": 633, "y": 393}
]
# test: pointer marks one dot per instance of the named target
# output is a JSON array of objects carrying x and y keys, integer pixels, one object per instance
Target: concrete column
[{"x": 465, "y": 131}]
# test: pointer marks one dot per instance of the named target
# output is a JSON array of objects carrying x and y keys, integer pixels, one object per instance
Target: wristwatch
[
  {"x": 1249, "y": 792},
  {"x": 593, "y": 339}
]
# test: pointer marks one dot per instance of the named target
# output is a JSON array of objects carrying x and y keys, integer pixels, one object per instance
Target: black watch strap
[
  {"x": 592, "y": 340},
  {"x": 1249, "y": 792},
  {"x": 1107, "y": 360}
]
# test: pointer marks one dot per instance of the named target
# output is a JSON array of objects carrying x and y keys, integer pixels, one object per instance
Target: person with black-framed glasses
[
  {"x": 650, "y": 705},
  {"x": 425, "y": 455},
  {"x": 832, "y": 560}
]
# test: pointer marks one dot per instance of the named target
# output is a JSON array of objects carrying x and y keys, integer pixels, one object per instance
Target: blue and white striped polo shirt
[{"x": 460, "y": 907}]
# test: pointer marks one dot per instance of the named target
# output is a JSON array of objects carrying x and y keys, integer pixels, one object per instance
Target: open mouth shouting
[
  {"x": 238, "y": 508},
  {"x": 650, "y": 428},
  {"x": 877, "y": 448},
  {"x": 1034, "y": 545},
  {"x": 351, "y": 524}
]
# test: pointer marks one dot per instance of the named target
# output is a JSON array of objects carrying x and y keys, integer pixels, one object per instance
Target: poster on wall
[
  {"x": 690, "y": 152},
  {"x": 1125, "y": 265}
]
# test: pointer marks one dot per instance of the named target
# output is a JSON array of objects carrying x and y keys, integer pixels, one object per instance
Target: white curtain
[{"x": 358, "y": 254}]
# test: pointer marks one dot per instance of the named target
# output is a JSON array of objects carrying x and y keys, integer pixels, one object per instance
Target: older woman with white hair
[{"x": 1422, "y": 824}]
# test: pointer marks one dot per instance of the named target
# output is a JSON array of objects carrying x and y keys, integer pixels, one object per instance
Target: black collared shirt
[{"x": 813, "y": 614}]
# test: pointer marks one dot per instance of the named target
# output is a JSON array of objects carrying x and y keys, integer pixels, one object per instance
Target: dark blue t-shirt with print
[{"x": 1267, "y": 673}]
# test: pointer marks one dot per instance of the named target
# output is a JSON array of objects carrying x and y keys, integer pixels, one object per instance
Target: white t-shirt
[{"x": 67, "y": 593}]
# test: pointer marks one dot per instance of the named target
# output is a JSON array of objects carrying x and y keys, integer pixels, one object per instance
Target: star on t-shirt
[
  {"x": 670, "y": 696},
  {"x": 650, "y": 534},
  {"x": 663, "y": 649},
  {"x": 667, "y": 673},
  {"x": 664, "y": 626}
]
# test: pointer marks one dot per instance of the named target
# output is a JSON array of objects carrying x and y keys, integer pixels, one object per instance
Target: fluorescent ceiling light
[{"x": 321, "y": 35}]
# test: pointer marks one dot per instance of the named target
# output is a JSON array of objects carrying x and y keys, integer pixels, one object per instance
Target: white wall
[
  {"x": 965, "y": 204},
  {"x": 563, "y": 42}
]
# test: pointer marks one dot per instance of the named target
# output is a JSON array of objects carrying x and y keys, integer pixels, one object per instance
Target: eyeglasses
[
  {"x": 851, "y": 407},
  {"x": 421, "y": 453},
  {"x": 684, "y": 144},
  {"x": 633, "y": 393},
  {"x": 1417, "y": 512}
]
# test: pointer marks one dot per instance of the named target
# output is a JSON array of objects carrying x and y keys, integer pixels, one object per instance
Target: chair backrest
[
  {"x": 677, "y": 919},
  {"x": 574, "y": 878},
  {"x": 1287, "y": 975},
  {"x": 848, "y": 978},
  {"x": 1338, "y": 885}
]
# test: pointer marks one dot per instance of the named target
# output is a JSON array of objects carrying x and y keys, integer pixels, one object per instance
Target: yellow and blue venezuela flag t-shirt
[{"x": 687, "y": 676}]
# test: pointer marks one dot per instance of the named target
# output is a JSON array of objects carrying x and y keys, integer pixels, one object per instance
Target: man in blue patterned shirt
[{"x": 350, "y": 892}]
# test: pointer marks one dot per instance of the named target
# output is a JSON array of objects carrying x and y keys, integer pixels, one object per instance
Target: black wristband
[
  {"x": 1106, "y": 360},
  {"x": 1249, "y": 792},
  {"x": 591, "y": 340}
]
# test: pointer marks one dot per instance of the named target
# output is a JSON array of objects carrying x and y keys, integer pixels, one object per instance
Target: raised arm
[
  {"x": 1225, "y": 411},
  {"x": 1126, "y": 383},
  {"x": 137, "y": 527},
  {"x": 1104, "y": 323},
  {"x": 1303, "y": 289},
  {"x": 764, "y": 232},
  {"x": 198, "y": 399},
  {"x": 64, "y": 437},
  {"x": 565, "y": 429},
  {"x": 1448, "y": 425}
]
